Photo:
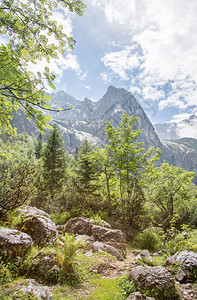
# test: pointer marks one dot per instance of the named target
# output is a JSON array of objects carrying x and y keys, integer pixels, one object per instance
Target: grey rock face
[
  {"x": 98, "y": 246},
  {"x": 113, "y": 241},
  {"x": 156, "y": 281},
  {"x": 38, "y": 225},
  {"x": 14, "y": 243},
  {"x": 83, "y": 226},
  {"x": 113, "y": 237},
  {"x": 80, "y": 226},
  {"x": 46, "y": 267},
  {"x": 144, "y": 254},
  {"x": 138, "y": 296},
  {"x": 185, "y": 258},
  {"x": 32, "y": 288},
  {"x": 27, "y": 211}
]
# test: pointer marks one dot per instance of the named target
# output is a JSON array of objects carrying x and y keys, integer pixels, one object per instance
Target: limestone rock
[
  {"x": 83, "y": 226},
  {"x": 84, "y": 239},
  {"x": 30, "y": 287},
  {"x": 98, "y": 246},
  {"x": 45, "y": 267},
  {"x": 144, "y": 254},
  {"x": 188, "y": 263},
  {"x": 185, "y": 258},
  {"x": 138, "y": 296},
  {"x": 79, "y": 225},
  {"x": 37, "y": 224},
  {"x": 27, "y": 211},
  {"x": 14, "y": 243},
  {"x": 112, "y": 237},
  {"x": 156, "y": 281}
]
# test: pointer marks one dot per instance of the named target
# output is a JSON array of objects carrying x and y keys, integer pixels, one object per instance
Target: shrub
[
  {"x": 149, "y": 240},
  {"x": 68, "y": 271}
]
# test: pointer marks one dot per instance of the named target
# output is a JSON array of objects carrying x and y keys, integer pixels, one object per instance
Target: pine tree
[
  {"x": 54, "y": 161},
  {"x": 87, "y": 169},
  {"x": 38, "y": 149}
]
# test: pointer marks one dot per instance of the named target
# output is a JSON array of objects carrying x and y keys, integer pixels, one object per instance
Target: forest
[{"x": 107, "y": 223}]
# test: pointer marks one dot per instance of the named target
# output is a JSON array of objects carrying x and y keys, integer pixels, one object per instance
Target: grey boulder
[
  {"x": 98, "y": 246},
  {"x": 156, "y": 281},
  {"x": 38, "y": 225},
  {"x": 30, "y": 287},
  {"x": 14, "y": 243},
  {"x": 138, "y": 296}
]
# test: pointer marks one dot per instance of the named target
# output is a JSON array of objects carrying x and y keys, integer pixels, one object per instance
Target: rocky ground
[{"x": 42, "y": 253}]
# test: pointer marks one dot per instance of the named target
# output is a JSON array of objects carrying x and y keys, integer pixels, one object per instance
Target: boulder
[
  {"x": 187, "y": 260},
  {"x": 138, "y": 296},
  {"x": 155, "y": 281},
  {"x": 79, "y": 225},
  {"x": 84, "y": 239},
  {"x": 14, "y": 243},
  {"x": 83, "y": 226},
  {"x": 30, "y": 287},
  {"x": 45, "y": 267},
  {"x": 37, "y": 224},
  {"x": 112, "y": 237},
  {"x": 144, "y": 254},
  {"x": 98, "y": 246},
  {"x": 27, "y": 211}
]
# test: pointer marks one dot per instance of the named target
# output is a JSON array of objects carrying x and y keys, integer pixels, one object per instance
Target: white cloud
[
  {"x": 180, "y": 117},
  {"x": 122, "y": 61},
  {"x": 164, "y": 33},
  {"x": 58, "y": 66}
]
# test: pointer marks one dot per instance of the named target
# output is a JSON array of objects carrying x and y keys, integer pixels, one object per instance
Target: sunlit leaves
[{"x": 29, "y": 26}]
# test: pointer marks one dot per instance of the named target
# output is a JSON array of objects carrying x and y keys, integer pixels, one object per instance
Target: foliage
[
  {"x": 171, "y": 192},
  {"x": 149, "y": 240},
  {"x": 127, "y": 287},
  {"x": 31, "y": 35},
  {"x": 15, "y": 149},
  {"x": 183, "y": 241},
  {"x": 39, "y": 146},
  {"x": 54, "y": 162},
  {"x": 16, "y": 187},
  {"x": 131, "y": 165},
  {"x": 68, "y": 271},
  {"x": 87, "y": 169}
]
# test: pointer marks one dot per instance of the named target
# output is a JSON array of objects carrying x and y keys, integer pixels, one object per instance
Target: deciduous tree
[{"x": 29, "y": 29}]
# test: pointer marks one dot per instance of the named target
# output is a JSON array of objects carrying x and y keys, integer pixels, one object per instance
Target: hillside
[{"x": 87, "y": 119}]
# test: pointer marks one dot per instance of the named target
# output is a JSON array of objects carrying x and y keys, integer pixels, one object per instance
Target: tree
[
  {"x": 87, "y": 169},
  {"x": 38, "y": 149},
  {"x": 131, "y": 165},
  {"x": 54, "y": 162},
  {"x": 16, "y": 187},
  {"x": 171, "y": 192},
  {"x": 29, "y": 28}
]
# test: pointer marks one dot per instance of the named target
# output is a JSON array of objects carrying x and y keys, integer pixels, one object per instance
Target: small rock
[
  {"x": 138, "y": 296},
  {"x": 30, "y": 287},
  {"x": 98, "y": 246}
]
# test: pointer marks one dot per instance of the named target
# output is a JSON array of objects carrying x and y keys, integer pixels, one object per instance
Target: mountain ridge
[{"x": 87, "y": 119}]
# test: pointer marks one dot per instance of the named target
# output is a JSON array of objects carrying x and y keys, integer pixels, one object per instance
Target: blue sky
[{"x": 147, "y": 47}]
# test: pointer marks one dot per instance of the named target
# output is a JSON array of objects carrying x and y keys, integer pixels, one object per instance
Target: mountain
[
  {"x": 87, "y": 119},
  {"x": 174, "y": 131}
]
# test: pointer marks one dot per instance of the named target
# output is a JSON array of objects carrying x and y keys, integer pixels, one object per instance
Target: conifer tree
[
  {"x": 87, "y": 169},
  {"x": 54, "y": 161},
  {"x": 38, "y": 150}
]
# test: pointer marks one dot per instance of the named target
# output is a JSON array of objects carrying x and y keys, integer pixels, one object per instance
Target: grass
[{"x": 105, "y": 289}]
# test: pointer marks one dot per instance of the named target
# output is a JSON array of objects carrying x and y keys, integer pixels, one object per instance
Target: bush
[
  {"x": 68, "y": 271},
  {"x": 149, "y": 240}
]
